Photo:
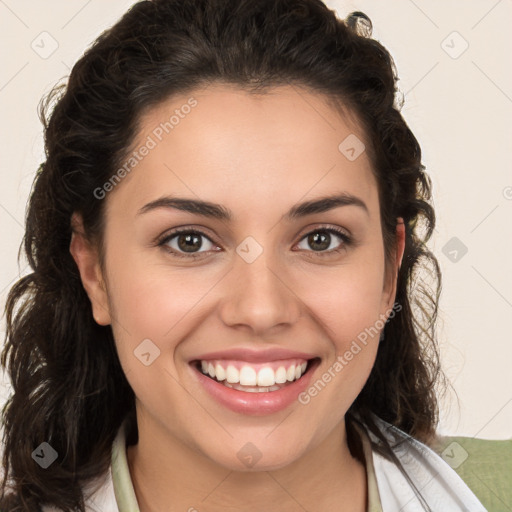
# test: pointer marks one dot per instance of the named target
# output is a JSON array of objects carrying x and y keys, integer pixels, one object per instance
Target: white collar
[{"x": 440, "y": 486}]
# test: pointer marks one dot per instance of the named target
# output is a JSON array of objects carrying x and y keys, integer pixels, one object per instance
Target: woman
[{"x": 225, "y": 240}]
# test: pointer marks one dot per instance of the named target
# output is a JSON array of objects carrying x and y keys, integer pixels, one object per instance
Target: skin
[{"x": 257, "y": 156}]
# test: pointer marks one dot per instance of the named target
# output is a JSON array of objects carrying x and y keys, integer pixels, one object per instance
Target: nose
[{"x": 259, "y": 297}]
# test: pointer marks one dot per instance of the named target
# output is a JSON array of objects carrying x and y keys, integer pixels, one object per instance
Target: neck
[{"x": 164, "y": 471}]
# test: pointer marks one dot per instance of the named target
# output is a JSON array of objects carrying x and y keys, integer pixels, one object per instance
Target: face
[{"x": 270, "y": 298}]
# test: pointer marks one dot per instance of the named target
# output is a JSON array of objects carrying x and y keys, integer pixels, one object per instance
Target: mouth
[
  {"x": 254, "y": 388},
  {"x": 255, "y": 378}
]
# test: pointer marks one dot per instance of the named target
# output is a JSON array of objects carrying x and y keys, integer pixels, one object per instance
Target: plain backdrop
[{"x": 453, "y": 60}]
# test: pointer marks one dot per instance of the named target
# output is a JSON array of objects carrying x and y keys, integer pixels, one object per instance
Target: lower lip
[{"x": 256, "y": 404}]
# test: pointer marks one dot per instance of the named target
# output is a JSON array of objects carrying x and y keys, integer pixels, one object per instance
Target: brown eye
[
  {"x": 189, "y": 242},
  {"x": 186, "y": 243},
  {"x": 321, "y": 240}
]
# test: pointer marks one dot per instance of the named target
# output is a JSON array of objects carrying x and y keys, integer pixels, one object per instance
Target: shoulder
[
  {"x": 485, "y": 466},
  {"x": 411, "y": 473}
]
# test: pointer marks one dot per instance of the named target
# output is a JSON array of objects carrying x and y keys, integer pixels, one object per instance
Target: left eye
[{"x": 323, "y": 238}]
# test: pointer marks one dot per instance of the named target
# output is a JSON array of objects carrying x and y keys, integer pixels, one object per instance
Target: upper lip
[{"x": 254, "y": 355}]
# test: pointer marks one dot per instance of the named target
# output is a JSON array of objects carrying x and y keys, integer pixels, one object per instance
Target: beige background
[{"x": 458, "y": 102}]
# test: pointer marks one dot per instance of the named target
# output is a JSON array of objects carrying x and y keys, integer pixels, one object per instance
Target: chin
[{"x": 247, "y": 456}]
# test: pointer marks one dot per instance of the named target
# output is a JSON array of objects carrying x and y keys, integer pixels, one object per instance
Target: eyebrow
[{"x": 217, "y": 211}]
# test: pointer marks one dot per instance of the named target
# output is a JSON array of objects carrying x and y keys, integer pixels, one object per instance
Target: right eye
[{"x": 186, "y": 241}]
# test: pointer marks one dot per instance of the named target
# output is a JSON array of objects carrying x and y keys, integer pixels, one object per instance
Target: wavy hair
[{"x": 68, "y": 385}]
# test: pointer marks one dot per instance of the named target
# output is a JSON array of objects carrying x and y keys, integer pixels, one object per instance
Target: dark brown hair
[{"x": 68, "y": 386}]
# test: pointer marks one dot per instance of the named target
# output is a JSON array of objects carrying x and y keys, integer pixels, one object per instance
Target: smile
[
  {"x": 254, "y": 378},
  {"x": 254, "y": 388}
]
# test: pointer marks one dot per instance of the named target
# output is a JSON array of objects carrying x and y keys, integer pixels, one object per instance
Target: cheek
[
  {"x": 155, "y": 306},
  {"x": 346, "y": 300},
  {"x": 153, "y": 303},
  {"x": 347, "y": 306},
  {"x": 153, "y": 309}
]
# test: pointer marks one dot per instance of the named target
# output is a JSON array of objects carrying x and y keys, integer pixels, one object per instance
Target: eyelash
[{"x": 347, "y": 241}]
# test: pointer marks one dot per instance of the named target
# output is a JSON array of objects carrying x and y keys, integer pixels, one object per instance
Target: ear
[
  {"x": 390, "y": 290},
  {"x": 87, "y": 261}
]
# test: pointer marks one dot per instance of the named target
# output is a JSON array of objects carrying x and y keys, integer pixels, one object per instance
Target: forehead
[{"x": 224, "y": 144}]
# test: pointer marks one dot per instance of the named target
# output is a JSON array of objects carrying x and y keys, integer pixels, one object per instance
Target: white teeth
[
  {"x": 281, "y": 375},
  {"x": 264, "y": 379},
  {"x": 232, "y": 375},
  {"x": 220, "y": 374},
  {"x": 247, "y": 376}
]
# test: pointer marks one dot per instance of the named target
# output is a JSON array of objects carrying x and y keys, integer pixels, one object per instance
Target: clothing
[
  {"x": 440, "y": 486},
  {"x": 388, "y": 489}
]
